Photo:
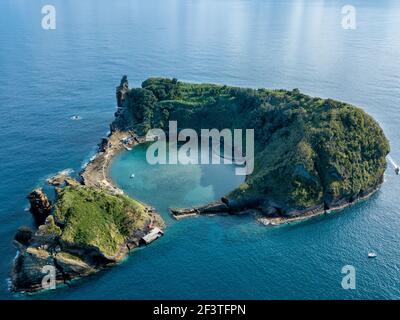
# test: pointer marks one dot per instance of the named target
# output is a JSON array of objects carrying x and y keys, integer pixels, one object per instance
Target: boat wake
[{"x": 394, "y": 165}]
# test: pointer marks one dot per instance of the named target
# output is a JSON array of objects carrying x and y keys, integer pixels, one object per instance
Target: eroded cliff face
[
  {"x": 121, "y": 93},
  {"x": 40, "y": 253},
  {"x": 40, "y": 206}
]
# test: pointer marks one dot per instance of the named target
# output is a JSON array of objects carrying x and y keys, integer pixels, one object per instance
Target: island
[{"x": 312, "y": 156}]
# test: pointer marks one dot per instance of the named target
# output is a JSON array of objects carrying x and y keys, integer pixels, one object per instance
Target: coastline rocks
[
  {"x": 270, "y": 211},
  {"x": 103, "y": 145},
  {"x": 231, "y": 206},
  {"x": 120, "y": 92},
  {"x": 57, "y": 180},
  {"x": 24, "y": 235},
  {"x": 62, "y": 179},
  {"x": 95, "y": 173},
  {"x": 241, "y": 204},
  {"x": 30, "y": 268},
  {"x": 294, "y": 213},
  {"x": 40, "y": 206},
  {"x": 49, "y": 229},
  {"x": 91, "y": 254},
  {"x": 41, "y": 254},
  {"x": 210, "y": 208},
  {"x": 43, "y": 251},
  {"x": 71, "y": 182},
  {"x": 72, "y": 266},
  {"x": 214, "y": 207}
]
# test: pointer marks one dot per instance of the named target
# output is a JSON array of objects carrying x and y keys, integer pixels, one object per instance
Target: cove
[{"x": 171, "y": 185}]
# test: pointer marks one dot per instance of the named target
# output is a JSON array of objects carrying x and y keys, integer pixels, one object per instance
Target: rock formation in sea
[
  {"x": 40, "y": 206},
  {"x": 121, "y": 91}
]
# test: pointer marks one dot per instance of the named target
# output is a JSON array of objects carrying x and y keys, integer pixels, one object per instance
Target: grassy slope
[
  {"x": 97, "y": 218},
  {"x": 308, "y": 150}
]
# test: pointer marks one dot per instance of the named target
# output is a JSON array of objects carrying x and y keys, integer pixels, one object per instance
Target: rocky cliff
[{"x": 40, "y": 206}]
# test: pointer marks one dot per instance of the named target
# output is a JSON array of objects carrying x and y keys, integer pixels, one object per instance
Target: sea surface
[{"x": 48, "y": 76}]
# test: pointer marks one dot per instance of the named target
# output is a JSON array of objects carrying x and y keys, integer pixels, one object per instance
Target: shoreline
[
  {"x": 306, "y": 216},
  {"x": 96, "y": 174},
  {"x": 316, "y": 211}
]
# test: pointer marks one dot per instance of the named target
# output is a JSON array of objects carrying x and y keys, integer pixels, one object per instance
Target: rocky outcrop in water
[
  {"x": 40, "y": 206},
  {"x": 57, "y": 180},
  {"x": 121, "y": 91},
  {"x": 62, "y": 179}
]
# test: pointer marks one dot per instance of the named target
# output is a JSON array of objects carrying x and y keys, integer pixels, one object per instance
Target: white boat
[
  {"x": 372, "y": 255},
  {"x": 132, "y": 175},
  {"x": 76, "y": 118},
  {"x": 128, "y": 148}
]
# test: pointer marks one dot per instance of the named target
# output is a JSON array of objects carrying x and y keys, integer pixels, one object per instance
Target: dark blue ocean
[{"x": 48, "y": 76}]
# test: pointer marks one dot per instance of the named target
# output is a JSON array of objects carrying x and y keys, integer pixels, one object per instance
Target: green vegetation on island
[
  {"x": 94, "y": 217},
  {"x": 87, "y": 228},
  {"x": 309, "y": 152}
]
